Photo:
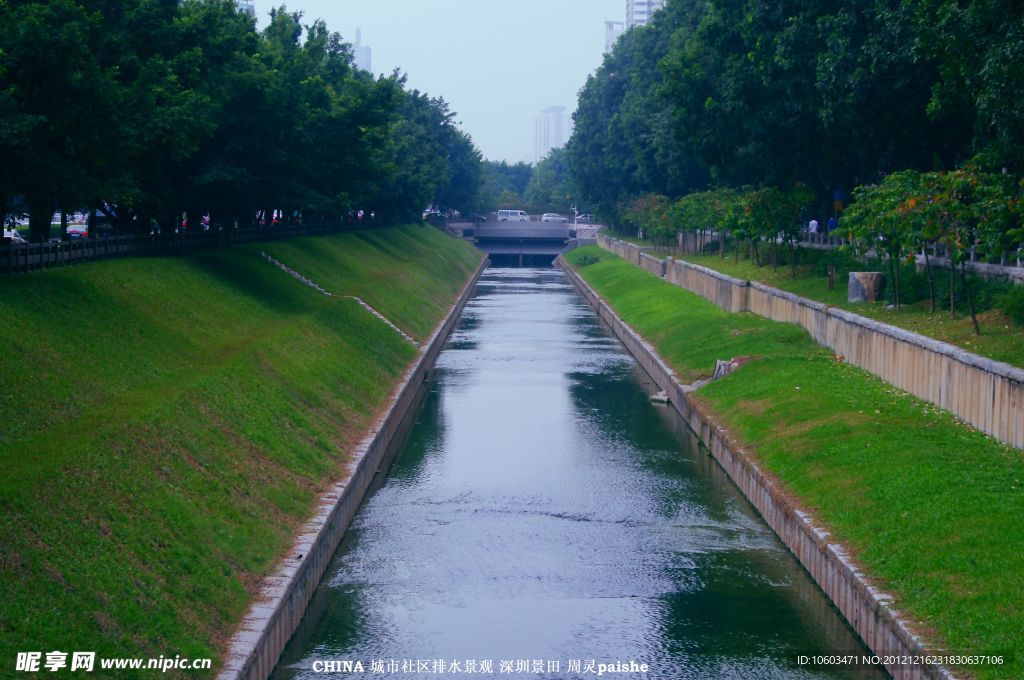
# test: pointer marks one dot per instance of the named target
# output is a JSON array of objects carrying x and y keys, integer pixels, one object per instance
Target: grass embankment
[
  {"x": 1001, "y": 338},
  {"x": 168, "y": 423},
  {"x": 930, "y": 507}
]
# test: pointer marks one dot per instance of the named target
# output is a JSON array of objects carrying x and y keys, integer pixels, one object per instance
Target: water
[{"x": 543, "y": 510}]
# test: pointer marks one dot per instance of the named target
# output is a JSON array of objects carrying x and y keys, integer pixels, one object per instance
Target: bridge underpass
[{"x": 524, "y": 244}]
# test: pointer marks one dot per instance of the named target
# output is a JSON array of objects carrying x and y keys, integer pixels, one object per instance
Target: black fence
[{"x": 22, "y": 258}]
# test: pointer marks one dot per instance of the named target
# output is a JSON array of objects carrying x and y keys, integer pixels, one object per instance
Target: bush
[
  {"x": 1011, "y": 303},
  {"x": 712, "y": 247}
]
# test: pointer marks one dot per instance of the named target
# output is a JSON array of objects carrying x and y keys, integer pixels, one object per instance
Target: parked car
[
  {"x": 513, "y": 216},
  {"x": 553, "y": 217},
  {"x": 77, "y": 232},
  {"x": 12, "y": 236},
  {"x": 584, "y": 219}
]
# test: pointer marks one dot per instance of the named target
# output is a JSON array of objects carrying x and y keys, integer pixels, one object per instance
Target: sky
[{"x": 496, "y": 62}]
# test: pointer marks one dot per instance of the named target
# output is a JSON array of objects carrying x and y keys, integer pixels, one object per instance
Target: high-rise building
[
  {"x": 612, "y": 31},
  {"x": 550, "y": 131},
  {"x": 362, "y": 55},
  {"x": 247, "y": 6},
  {"x": 638, "y": 12}
]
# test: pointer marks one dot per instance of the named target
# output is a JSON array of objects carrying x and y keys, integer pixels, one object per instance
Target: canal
[{"x": 545, "y": 518}]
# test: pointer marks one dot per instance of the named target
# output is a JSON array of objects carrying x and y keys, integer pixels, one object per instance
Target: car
[
  {"x": 12, "y": 236},
  {"x": 584, "y": 219},
  {"x": 513, "y": 216},
  {"x": 553, "y": 217},
  {"x": 77, "y": 232}
]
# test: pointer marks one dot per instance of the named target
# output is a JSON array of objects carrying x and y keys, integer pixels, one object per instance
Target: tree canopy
[
  {"x": 150, "y": 109},
  {"x": 828, "y": 95}
]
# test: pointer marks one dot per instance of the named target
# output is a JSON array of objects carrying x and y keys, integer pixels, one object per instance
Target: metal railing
[{"x": 23, "y": 258}]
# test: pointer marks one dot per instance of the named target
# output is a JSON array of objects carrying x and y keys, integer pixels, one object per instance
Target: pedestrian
[
  {"x": 812, "y": 227},
  {"x": 832, "y": 224}
]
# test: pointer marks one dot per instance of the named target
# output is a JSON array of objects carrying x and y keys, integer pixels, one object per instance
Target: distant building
[
  {"x": 551, "y": 131},
  {"x": 362, "y": 54},
  {"x": 639, "y": 12},
  {"x": 612, "y": 31},
  {"x": 247, "y": 6}
]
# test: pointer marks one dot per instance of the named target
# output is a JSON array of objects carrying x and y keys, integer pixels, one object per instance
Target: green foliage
[
  {"x": 650, "y": 213},
  {"x": 153, "y": 109},
  {"x": 979, "y": 48},
  {"x": 624, "y": 142},
  {"x": 826, "y": 95},
  {"x": 550, "y": 188},
  {"x": 1011, "y": 303},
  {"x": 504, "y": 185},
  {"x": 964, "y": 210}
]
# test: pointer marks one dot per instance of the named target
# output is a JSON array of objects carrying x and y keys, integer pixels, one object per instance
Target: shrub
[{"x": 1011, "y": 303}]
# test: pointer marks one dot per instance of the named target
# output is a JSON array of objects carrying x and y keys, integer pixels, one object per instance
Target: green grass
[
  {"x": 169, "y": 422},
  {"x": 1001, "y": 339},
  {"x": 930, "y": 507}
]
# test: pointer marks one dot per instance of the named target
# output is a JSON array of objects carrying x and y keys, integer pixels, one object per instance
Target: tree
[
  {"x": 156, "y": 109},
  {"x": 875, "y": 220},
  {"x": 978, "y": 46},
  {"x": 550, "y": 188},
  {"x": 503, "y": 184},
  {"x": 53, "y": 129}
]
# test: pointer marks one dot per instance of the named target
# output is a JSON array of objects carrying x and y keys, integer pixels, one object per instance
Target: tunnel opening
[{"x": 517, "y": 260}]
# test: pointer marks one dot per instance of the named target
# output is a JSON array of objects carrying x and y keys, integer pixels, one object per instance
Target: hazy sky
[{"x": 496, "y": 62}]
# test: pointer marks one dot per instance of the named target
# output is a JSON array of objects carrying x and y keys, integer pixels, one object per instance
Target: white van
[{"x": 513, "y": 216}]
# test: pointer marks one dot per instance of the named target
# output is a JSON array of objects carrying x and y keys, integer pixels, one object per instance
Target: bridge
[{"x": 523, "y": 243}]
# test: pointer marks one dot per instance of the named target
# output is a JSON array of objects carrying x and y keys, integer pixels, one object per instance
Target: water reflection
[{"x": 543, "y": 509}]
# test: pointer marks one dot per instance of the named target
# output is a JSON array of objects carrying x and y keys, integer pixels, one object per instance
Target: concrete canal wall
[
  {"x": 867, "y": 610},
  {"x": 989, "y": 395},
  {"x": 270, "y": 622}
]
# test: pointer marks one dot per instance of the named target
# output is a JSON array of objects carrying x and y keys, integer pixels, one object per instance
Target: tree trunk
[
  {"x": 952, "y": 288},
  {"x": 757, "y": 255},
  {"x": 63, "y": 225},
  {"x": 931, "y": 283},
  {"x": 970, "y": 297},
  {"x": 792, "y": 258},
  {"x": 895, "y": 290},
  {"x": 40, "y": 212},
  {"x": 775, "y": 256},
  {"x": 897, "y": 265}
]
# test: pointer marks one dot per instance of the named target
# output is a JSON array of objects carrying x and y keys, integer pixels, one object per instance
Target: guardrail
[
  {"x": 1009, "y": 267},
  {"x": 23, "y": 258}
]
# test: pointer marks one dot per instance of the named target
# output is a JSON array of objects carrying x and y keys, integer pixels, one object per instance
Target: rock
[{"x": 864, "y": 286}]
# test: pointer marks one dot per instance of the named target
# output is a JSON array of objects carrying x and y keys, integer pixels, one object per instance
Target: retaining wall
[
  {"x": 270, "y": 622},
  {"x": 989, "y": 395},
  {"x": 867, "y": 610}
]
